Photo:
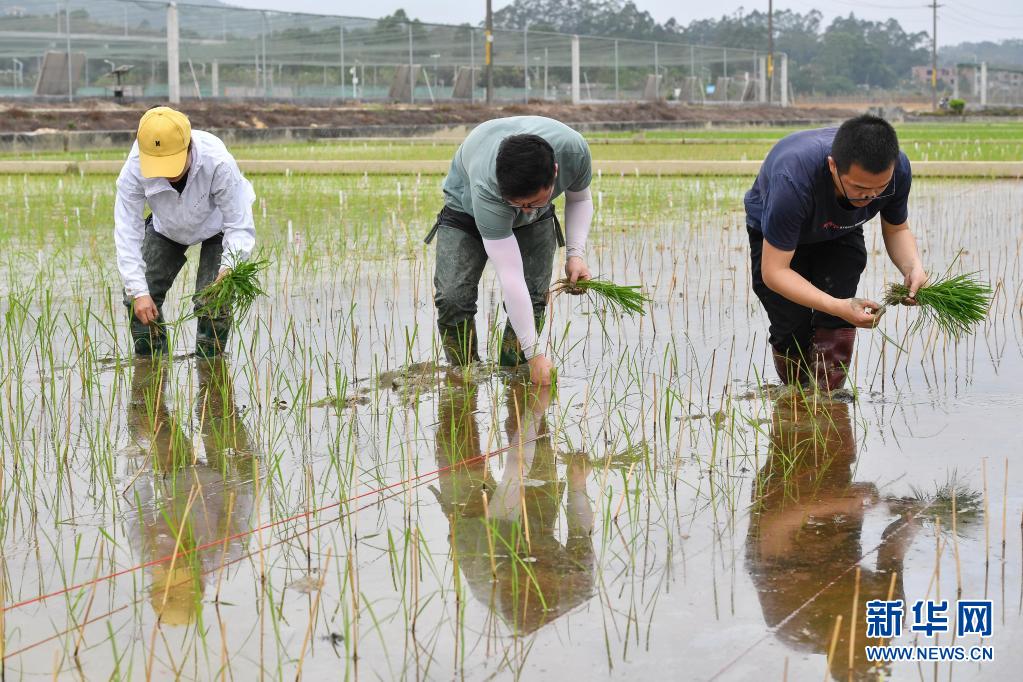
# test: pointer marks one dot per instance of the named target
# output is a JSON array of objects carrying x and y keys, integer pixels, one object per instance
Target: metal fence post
[
  {"x": 173, "y": 55},
  {"x": 215, "y": 78},
  {"x": 341, "y": 27},
  {"x": 657, "y": 70},
  {"x": 525, "y": 62},
  {"x": 411, "y": 70},
  {"x": 266, "y": 82},
  {"x": 67, "y": 27},
  {"x": 472, "y": 66},
  {"x": 983, "y": 84},
  {"x": 784, "y": 79},
  {"x": 762, "y": 80},
  {"x": 575, "y": 69},
  {"x": 616, "y": 70}
]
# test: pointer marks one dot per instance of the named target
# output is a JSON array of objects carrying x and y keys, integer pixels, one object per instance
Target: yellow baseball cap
[{"x": 163, "y": 138}]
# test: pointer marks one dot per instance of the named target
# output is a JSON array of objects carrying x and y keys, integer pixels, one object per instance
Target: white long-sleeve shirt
[
  {"x": 507, "y": 260},
  {"x": 217, "y": 198}
]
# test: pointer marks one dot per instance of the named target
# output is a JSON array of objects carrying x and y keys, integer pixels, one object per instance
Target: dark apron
[{"x": 466, "y": 223}]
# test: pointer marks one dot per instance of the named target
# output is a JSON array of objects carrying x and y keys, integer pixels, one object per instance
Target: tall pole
[
  {"x": 411, "y": 70},
  {"x": 488, "y": 52},
  {"x": 934, "y": 54},
  {"x": 70, "y": 79},
  {"x": 525, "y": 62},
  {"x": 770, "y": 48},
  {"x": 173, "y": 55}
]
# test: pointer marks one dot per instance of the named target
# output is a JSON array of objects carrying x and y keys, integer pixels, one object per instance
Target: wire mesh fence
[
  {"x": 981, "y": 85},
  {"x": 162, "y": 50}
]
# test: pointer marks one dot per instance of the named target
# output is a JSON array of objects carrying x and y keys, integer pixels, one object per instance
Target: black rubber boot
[
  {"x": 211, "y": 337},
  {"x": 511, "y": 352},
  {"x": 149, "y": 340},
  {"x": 459, "y": 342}
]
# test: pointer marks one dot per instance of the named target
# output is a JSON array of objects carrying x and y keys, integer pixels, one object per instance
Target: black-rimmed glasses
[{"x": 887, "y": 192}]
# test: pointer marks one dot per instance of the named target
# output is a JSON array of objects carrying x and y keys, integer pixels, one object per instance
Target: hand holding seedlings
[
  {"x": 953, "y": 304},
  {"x": 235, "y": 288},
  {"x": 145, "y": 309},
  {"x": 620, "y": 298},
  {"x": 859, "y": 312},
  {"x": 540, "y": 370},
  {"x": 575, "y": 270},
  {"x": 915, "y": 279}
]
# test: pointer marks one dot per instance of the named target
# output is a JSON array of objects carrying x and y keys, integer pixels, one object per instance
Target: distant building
[{"x": 946, "y": 75}]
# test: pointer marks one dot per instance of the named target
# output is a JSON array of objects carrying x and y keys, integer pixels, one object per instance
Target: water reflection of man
[
  {"x": 516, "y": 564},
  {"x": 806, "y": 530},
  {"x": 185, "y": 500}
]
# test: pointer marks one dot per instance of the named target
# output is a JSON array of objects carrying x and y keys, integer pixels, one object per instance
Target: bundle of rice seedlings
[
  {"x": 620, "y": 298},
  {"x": 954, "y": 304},
  {"x": 236, "y": 291}
]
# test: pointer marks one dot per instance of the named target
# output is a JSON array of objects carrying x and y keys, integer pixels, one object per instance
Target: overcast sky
[{"x": 958, "y": 20}]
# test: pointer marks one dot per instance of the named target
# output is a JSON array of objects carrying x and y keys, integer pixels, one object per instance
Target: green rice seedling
[
  {"x": 620, "y": 298},
  {"x": 955, "y": 305},
  {"x": 951, "y": 498},
  {"x": 237, "y": 290}
]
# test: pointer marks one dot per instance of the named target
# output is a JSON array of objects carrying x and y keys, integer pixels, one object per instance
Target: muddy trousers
[
  {"x": 460, "y": 261},
  {"x": 809, "y": 344},
  {"x": 164, "y": 259}
]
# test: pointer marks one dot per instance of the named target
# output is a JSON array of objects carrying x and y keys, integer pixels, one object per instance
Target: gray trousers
[
  {"x": 164, "y": 259},
  {"x": 460, "y": 261}
]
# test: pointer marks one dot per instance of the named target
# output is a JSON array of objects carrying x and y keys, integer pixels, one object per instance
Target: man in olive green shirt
[{"x": 498, "y": 205}]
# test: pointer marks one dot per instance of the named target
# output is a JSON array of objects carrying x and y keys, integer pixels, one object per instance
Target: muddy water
[{"x": 342, "y": 506}]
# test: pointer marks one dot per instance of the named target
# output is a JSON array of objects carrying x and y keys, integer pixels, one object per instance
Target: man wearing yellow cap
[{"x": 197, "y": 195}]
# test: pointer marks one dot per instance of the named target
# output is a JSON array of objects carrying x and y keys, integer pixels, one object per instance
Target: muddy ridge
[{"x": 94, "y": 115}]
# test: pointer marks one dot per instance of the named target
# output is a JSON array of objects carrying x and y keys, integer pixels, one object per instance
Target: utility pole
[
  {"x": 770, "y": 48},
  {"x": 934, "y": 55},
  {"x": 488, "y": 52}
]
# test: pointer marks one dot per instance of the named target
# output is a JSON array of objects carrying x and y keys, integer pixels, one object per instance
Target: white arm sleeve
[
  {"x": 233, "y": 195},
  {"x": 507, "y": 260},
  {"x": 578, "y": 217},
  {"x": 129, "y": 233}
]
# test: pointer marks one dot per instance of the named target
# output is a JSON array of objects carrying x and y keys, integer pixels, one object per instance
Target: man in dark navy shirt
[{"x": 805, "y": 215}]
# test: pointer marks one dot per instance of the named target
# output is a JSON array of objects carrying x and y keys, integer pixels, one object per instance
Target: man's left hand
[
  {"x": 222, "y": 274},
  {"x": 915, "y": 279},
  {"x": 576, "y": 270}
]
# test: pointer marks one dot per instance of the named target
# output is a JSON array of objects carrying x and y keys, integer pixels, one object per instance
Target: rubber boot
[
  {"x": 511, "y": 352},
  {"x": 211, "y": 337},
  {"x": 832, "y": 354},
  {"x": 459, "y": 342},
  {"x": 149, "y": 340},
  {"x": 791, "y": 370}
]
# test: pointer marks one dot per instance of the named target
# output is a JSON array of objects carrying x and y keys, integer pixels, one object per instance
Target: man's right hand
[
  {"x": 145, "y": 309},
  {"x": 540, "y": 369},
  {"x": 859, "y": 312}
]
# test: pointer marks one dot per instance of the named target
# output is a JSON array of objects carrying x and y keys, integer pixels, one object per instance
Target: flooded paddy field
[{"x": 331, "y": 501}]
